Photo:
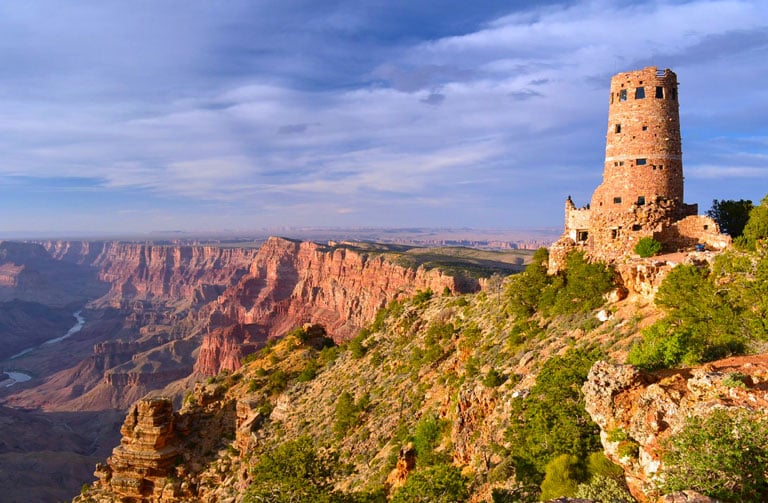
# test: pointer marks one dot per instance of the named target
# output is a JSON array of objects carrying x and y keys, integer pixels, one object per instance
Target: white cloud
[{"x": 517, "y": 106}]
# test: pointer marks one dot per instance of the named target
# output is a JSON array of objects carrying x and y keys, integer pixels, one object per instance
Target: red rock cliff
[{"x": 291, "y": 283}]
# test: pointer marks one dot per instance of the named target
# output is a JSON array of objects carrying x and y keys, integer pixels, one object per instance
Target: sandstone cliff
[{"x": 291, "y": 283}]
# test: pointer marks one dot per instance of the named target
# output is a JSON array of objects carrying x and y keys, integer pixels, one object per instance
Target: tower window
[
  {"x": 616, "y": 200},
  {"x": 673, "y": 93},
  {"x": 639, "y": 93},
  {"x": 617, "y": 128},
  {"x": 581, "y": 236},
  {"x": 645, "y": 128},
  {"x": 640, "y": 200},
  {"x": 659, "y": 92},
  {"x": 614, "y": 233},
  {"x": 637, "y": 227},
  {"x": 623, "y": 95},
  {"x": 640, "y": 162}
]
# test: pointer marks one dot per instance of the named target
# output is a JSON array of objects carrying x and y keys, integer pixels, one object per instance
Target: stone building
[{"x": 642, "y": 190}]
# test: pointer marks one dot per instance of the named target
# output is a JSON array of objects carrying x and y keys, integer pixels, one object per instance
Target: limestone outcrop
[{"x": 641, "y": 410}]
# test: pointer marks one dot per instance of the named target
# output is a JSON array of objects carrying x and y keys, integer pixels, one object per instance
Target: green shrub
[
  {"x": 605, "y": 489},
  {"x": 356, "y": 348},
  {"x": 328, "y": 355},
  {"x": 294, "y": 471},
  {"x": 599, "y": 464},
  {"x": 426, "y": 438},
  {"x": 422, "y": 296},
  {"x": 470, "y": 336},
  {"x": 493, "y": 379},
  {"x": 309, "y": 372},
  {"x": 735, "y": 380},
  {"x": 524, "y": 290},
  {"x": 562, "y": 477},
  {"x": 756, "y": 228},
  {"x": 471, "y": 368},
  {"x": 703, "y": 322},
  {"x": 277, "y": 382},
  {"x": 551, "y": 420},
  {"x": 440, "y": 483},
  {"x": 346, "y": 414},
  {"x": 647, "y": 247},
  {"x": 723, "y": 455}
]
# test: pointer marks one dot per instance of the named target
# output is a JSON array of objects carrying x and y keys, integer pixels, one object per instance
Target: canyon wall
[
  {"x": 190, "y": 274},
  {"x": 165, "y": 312},
  {"x": 292, "y": 283}
]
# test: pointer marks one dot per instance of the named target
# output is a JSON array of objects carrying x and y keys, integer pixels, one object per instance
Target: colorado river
[
  {"x": 15, "y": 377},
  {"x": 75, "y": 329}
]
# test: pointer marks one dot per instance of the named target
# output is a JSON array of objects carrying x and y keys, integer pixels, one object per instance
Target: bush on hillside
[
  {"x": 703, "y": 321},
  {"x": 441, "y": 483},
  {"x": 346, "y": 414},
  {"x": 561, "y": 477},
  {"x": 580, "y": 287},
  {"x": 524, "y": 289},
  {"x": 723, "y": 455},
  {"x": 756, "y": 229},
  {"x": 426, "y": 438},
  {"x": 293, "y": 471},
  {"x": 551, "y": 420}
]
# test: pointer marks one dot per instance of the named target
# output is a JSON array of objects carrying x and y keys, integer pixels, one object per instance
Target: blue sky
[{"x": 131, "y": 117}]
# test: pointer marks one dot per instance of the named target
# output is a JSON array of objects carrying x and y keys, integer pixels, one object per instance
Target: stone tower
[
  {"x": 642, "y": 190},
  {"x": 643, "y": 156}
]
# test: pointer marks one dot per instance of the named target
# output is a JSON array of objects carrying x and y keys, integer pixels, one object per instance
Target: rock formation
[
  {"x": 647, "y": 407},
  {"x": 190, "y": 274},
  {"x": 140, "y": 466}
]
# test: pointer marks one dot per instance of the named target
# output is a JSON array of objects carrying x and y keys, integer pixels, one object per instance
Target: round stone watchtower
[
  {"x": 643, "y": 156},
  {"x": 641, "y": 195}
]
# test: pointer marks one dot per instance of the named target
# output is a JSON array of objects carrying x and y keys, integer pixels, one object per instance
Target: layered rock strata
[
  {"x": 195, "y": 274},
  {"x": 140, "y": 466},
  {"x": 292, "y": 283}
]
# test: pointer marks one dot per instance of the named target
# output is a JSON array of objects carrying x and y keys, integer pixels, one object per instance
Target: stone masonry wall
[{"x": 642, "y": 190}]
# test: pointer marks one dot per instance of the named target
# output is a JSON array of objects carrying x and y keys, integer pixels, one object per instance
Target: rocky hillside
[
  {"x": 639, "y": 412},
  {"x": 431, "y": 383},
  {"x": 477, "y": 397}
]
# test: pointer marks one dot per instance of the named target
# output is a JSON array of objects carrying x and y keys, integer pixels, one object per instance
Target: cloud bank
[{"x": 193, "y": 116}]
